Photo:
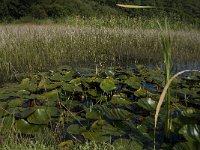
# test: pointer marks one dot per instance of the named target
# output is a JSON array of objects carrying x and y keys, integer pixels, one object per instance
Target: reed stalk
[{"x": 166, "y": 43}]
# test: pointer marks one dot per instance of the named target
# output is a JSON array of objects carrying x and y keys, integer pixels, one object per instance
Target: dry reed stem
[
  {"x": 162, "y": 96},
  {"x": 164, "y": 92}
]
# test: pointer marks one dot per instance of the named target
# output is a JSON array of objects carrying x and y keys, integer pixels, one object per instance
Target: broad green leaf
[
  {"x": 97, "y": 136},
  {"x": 75, "y": 129},
  {"x": 25, "y": 112},
  {"x": 6, "y": 96},
  {"x": 115, "y": 114},
  {"x": 71, "y": 88},
  {"x": 23, "y": 92},
  {"x": 108, "y": 85},
  {"x": 98, "y": 124},
  {"x": 15, "y": 102},
  {"x": 93, "y": 115},
  {"x": 92, "y": 92},
  {"x": 111, "y": 130},
  {"x": 40, "y": 116},
  {"x": 53, "y": 111},
  {"x": 187, "y": 146},
  {"x": 3, "y": 111},
  {"x": 7, "y": 122},
  {"x": 133, "y": 82},
  {"x": 69, "y": 75},
  {"x": 189, "y": 112},
  {"x": 110, "y": 73},
  {"x": 191, "y": 132},
  {"x": 24, "y": 127},
  {"x": 28, "y": 85},
  {"x": 42, "y": 84},
  {"x": 141, "y": 93},
  {"x": 147, "y": 103},
  {"x": 126, "y": 144},
  {"x": 52, "y": 95},
  {"x": 118, "y": 99},
  {"x": 76, "y": 81},
  {"x": 3, "y": 104},
  {"x": 57, "y": 77}
]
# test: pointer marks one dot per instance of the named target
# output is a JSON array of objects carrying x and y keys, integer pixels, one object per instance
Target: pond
[{"x": 109, "y": 105}]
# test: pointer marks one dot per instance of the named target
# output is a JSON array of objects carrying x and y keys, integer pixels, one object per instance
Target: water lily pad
[
  {"x": 25, "y": 112},
  {"x": 42, "y": 84},
  {"x": 3, "y": 104},
  {"x": 76, "y": 81},
  {"x": 53, "y": 86},
  {"x": 23, "y": 92},
  {"x": 75, "y": 129},
  {"x": 115, "y": 113},
  {"x": 118, "y": 99},
  {"x": 24, "y": 127},
  {"x": 147, "y": 103},
  {"x": 94, "y": 115},
  {"x": 187, "y": 146},
  {"x": 109, "y": 73},
  {"x": 111, "y": 130},
  {"x": 28, "y": 85},
  {"x": 122, "y": 77},
  {"x": 126, "y": 144},
  {"x": 93, "y": 92},
  {"x": 195, "y": 101},
  {"x": 40, "y": 116},
  {"x": 71, "y": 88},
  {"x": 52, "y": 95},
  {"x": 15, "y": 102},
  {"x": 141, "y": 93},
  {"x": 189, "y": 112},
  {"x": 108, "y": 85},
  {"x": 6, "y": 96},
  {"x": 51, "y": 103},
  {"x": 46, "y": 85},
  {"x": 191, "y": 132},
  {"x": 13, "y": 110},
  {"x": 53, "y": 111},
  {"x": 7, "y": 122},
  {"x": 3, "y": 111},
  {"x": 97, "y": 136},
  {"x": 69, "y": 75},
  {"x": 98, "y": 124},
  {"x": 57, "y": 77},
  {"x": 133, "y": 82}
]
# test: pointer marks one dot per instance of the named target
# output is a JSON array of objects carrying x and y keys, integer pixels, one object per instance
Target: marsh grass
[
  {"x": 27, "y": 48},
  {"x": 12, "y": 140},
  {"x": 111, "y": 22}
]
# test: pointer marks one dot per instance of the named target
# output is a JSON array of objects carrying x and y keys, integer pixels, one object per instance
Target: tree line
[{"x": 188, "y": 10}]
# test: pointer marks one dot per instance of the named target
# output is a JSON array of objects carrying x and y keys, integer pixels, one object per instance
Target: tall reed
[
  {"x": 27, "y": 48},
  {"x": 166, "y": 43}
]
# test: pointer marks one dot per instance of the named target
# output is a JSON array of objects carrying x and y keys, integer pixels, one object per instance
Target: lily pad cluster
[{"x": 112, "y": 106}]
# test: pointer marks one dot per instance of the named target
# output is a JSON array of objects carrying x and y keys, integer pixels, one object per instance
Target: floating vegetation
[{"x": 114, "y": 106}]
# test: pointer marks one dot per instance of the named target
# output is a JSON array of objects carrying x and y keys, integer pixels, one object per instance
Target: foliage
[
  {"x": 187, "y": 10},
  {"x": 83, "y": 107}
]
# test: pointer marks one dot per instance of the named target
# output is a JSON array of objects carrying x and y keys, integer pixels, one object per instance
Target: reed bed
[
  {"x": 113, "y": 22},
  {"x": 31, "y": 48}
]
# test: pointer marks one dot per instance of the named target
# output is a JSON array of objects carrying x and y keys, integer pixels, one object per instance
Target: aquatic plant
[{"x": 166, "y": 43}]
